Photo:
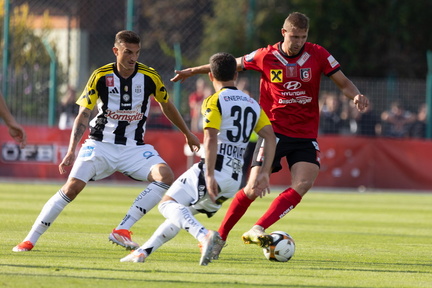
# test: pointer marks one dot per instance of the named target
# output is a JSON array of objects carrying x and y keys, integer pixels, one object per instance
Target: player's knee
[
  {"x": 162, "y": 173},
  {"x": 73, "y": 187},
  {"x": 250, "y": 192},
  {"x": 302, "y": 186},
  {"x": 162, "y": 207}
]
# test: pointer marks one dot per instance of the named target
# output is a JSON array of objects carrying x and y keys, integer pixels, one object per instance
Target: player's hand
[
  {"x": 182, "y": 75},
  {"x": 361, "y": 102},
  {"x": 68, "y": 160},
  {"x": 261, "y": 186},
  {"x": 193, "y": 142},
  {"x": 18, "y": 134},
  {"x": 212, "y": 188}
]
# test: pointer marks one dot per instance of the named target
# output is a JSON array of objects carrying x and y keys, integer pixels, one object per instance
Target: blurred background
[{"x": 50, "y": 48}]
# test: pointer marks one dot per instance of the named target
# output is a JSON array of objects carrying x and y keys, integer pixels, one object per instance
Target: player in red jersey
[{"x": 289, "y": 89}]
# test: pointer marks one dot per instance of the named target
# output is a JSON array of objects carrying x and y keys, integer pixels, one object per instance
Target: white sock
[
  {"x": 165, "y": 232},
  {"x": 182, "y": 217},
  {"x": 144, "y": 202},
  {"x": 52, "y": 208}
]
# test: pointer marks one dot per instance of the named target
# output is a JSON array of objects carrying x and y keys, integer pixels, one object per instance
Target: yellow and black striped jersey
[
  {"x": 123, "y": 104},
  {"x": 236, "y": 115}
]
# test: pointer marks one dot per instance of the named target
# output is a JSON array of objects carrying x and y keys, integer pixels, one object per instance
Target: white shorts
[
  {"x": 189, "y": 190},
  {"x": 97, "y": 160}
]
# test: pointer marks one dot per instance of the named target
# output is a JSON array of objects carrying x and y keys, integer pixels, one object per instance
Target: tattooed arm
[{"x": 79, "y": 127}]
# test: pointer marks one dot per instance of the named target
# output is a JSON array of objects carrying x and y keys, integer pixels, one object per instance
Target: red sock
[
  {"x": 236, "y": 210},
  {"x": 281, "y": 205}
]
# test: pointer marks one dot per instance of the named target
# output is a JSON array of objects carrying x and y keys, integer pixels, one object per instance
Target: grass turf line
[{"x": 343, "y": 239}]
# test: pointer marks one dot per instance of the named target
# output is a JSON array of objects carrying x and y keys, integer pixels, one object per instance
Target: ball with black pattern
[{"x": 282, "y": 249}]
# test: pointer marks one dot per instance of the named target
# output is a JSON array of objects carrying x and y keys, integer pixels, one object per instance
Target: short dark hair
[
  {"x": 223, "y": 66},
  {"x": 126, "y": 36},
  {"x": 297, "y": 20}
]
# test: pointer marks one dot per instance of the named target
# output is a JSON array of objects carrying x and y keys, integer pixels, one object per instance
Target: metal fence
[{"x": 81, "y": 35}]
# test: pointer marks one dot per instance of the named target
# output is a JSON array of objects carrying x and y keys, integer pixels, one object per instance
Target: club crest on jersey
[
  {"x": 305, "y": 74},
  {"x": 276, "y": 75},
  {"x": 109, "y": 80},
  {"x": 138, "y": 89}
]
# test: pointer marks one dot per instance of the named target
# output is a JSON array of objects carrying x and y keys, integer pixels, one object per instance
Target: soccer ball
[{"x": 282, "y": 248}]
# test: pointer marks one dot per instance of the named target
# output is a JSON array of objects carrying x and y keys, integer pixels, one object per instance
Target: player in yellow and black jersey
[{"x": 230, "y": 117}]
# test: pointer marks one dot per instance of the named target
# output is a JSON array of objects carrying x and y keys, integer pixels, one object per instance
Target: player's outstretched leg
[
  {"x": 137, "y": 256},
  {"x": 23, "y": 246},
  {"x": 123, "y": 238},
  {"x": 257, "y": 236},
  {"x": 217, "y": 248},
  {"x": 207, "y": 245}
]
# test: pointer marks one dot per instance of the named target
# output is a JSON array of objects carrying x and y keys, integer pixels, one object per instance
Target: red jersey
[{"x": 289, "y": 86}]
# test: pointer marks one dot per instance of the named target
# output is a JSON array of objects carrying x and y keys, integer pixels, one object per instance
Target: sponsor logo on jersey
[
  {"x": 276, "y": 75},
  {"x": 300, "y": 100},
  {"x": 292, "y": 85},
  {"x": 87, "y": 96},
  {"x": 332, "y": 61},
  {"x": 305, "y": 74},
  {"x": 164, "y": 92},
  {"x": 114, "y": 91},
  {"x": 125, "y": 115},
  {"x": 109, "y": 80},
  {"x": 126, "y": 97},
  {"x": 237, "y": 98}
]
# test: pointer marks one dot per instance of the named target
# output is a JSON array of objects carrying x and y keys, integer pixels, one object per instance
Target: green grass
[{"x": 343, "y": 239}]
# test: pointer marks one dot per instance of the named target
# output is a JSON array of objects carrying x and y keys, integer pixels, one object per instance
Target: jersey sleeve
[
  {"x": 161, "y": 94},
  {"x": 254, "y": 60},
  {"x": 329, "y": 64},
  {"x": 90, "y": 94},
  {"x": 211, "y": 112},
  {"x": 263, "y": 120}
]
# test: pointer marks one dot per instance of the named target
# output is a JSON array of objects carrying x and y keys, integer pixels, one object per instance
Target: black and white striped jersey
[{"x": 123, "y": 104}]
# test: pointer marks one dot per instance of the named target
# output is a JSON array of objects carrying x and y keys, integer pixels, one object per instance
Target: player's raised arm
[{"x": 181, "y": 75}]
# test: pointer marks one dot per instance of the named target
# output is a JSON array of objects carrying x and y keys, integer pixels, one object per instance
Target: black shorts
[{"x": 294, "y": 149}]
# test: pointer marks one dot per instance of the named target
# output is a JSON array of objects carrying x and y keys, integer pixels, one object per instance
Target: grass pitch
[{"x": 343, "y": 239}]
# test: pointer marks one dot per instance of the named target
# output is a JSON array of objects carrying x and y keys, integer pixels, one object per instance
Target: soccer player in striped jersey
[
  {"x": 230, "y": 117},
  {"x": 291, "y": 72},
  {"x": 121, "y": 92}
]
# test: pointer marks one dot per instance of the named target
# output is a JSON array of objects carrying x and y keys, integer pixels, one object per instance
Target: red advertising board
[{"x": 346, "y": 161}]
